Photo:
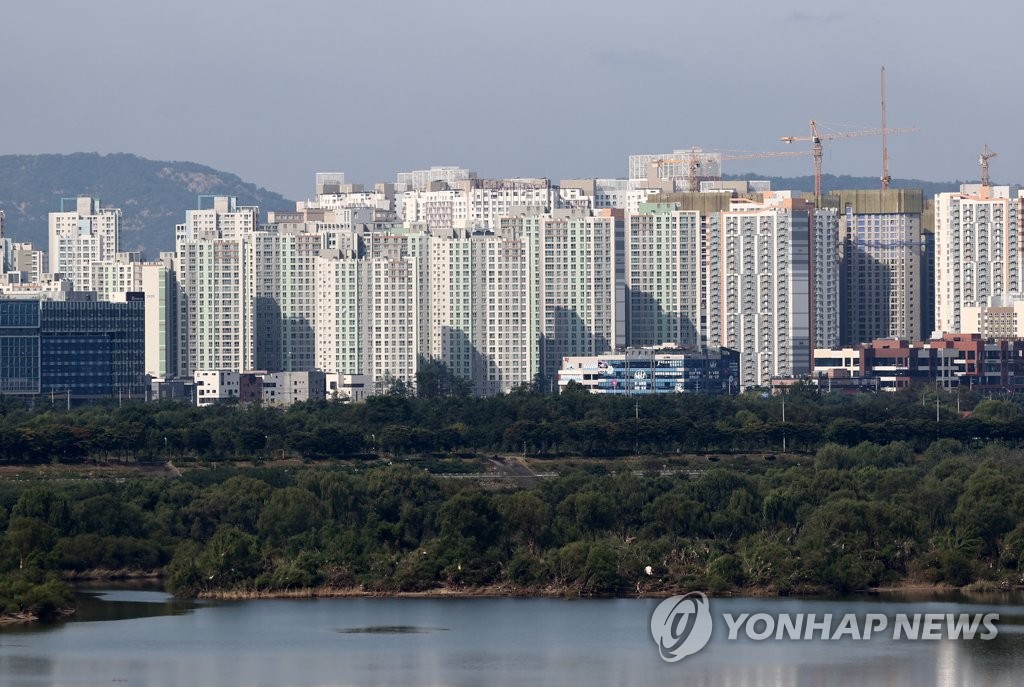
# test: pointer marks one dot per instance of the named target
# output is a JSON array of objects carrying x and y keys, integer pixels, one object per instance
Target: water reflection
[
  {"x": 159, "y": 641},
  {"x": 98, "y": 604}
]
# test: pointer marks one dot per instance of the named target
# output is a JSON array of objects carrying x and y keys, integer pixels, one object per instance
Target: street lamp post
[{"x": 783, "y": 421}]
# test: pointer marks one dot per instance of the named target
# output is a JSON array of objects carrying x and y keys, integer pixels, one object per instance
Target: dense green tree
[{"x": 289, "y": 512}]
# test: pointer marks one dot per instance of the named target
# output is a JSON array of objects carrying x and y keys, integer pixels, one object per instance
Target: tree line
[
  {"x": 846, "y": 519},
  {"x": 573, "y": 423},
  {"x": 879, "y": 493}
]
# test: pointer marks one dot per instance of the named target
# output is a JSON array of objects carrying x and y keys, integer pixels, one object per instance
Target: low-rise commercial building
[
  {"x": 656, "y": 370},
  {"x": 955, "y": 360}
]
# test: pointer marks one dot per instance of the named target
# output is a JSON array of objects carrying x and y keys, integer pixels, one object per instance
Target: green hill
[{"x": 153, "y": 195}]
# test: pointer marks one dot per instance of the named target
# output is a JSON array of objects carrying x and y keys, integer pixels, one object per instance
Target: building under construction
[{"x": 880, "y": 263}]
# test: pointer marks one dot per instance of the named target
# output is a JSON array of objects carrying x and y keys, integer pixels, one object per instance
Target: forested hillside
[{"x": 153, "y": 195}]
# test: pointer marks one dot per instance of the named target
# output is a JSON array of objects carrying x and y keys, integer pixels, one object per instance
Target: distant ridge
[{"x": 153, "y": 195}]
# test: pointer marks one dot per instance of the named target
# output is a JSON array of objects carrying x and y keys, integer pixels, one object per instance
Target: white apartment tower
[
  {"x": 343, "y": 313},
  {"x": 977, "y": 250},
  {"x": 759, "y": 286},
  {"x": 503, "y": 312},
  {"x": 370, "y": 310},
  {"x": 666, "y": 275},
  {"x": 281, "y": 263},
  {"x": 480, "y": 312},
  {"x": 158, "y": 285},
  {"x": 215, "y": 318},
  {"x": 575, "y": 282},
  {"x": 454, "y": 302},
  {"x": 83, "y": 236}
]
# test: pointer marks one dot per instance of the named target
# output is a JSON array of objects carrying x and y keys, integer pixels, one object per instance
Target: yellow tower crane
[{"x": 817, "y": 137}]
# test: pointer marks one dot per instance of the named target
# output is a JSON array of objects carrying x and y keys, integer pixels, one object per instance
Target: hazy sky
[{"x": 276, "y": 91}]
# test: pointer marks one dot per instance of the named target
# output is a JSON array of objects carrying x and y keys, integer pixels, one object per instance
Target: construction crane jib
[
  {"x": 693, "y": 161},
  {"x": 816, "y": 138}
]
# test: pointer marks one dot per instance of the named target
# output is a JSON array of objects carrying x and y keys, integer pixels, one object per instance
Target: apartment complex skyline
[{"x": 502, "y": 279}]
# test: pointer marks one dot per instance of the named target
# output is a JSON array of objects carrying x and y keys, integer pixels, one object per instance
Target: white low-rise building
[{"x": 213, "y": 386}]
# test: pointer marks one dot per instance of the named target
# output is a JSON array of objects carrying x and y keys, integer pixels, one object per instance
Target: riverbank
[
  {"x": 489, "y": 591},
  {"x": 18, "y": 618},
  {"x": 912, "y": 589},
  {"x": 111, "y": 574},
  {"x": 33, "y": 617},
  {"x": 547, "y": 592}
]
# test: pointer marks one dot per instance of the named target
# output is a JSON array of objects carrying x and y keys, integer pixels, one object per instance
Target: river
[{"x": 145, "y": 638}]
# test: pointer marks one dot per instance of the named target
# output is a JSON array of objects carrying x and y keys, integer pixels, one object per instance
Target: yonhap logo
[{"x": 681, "y": 626}]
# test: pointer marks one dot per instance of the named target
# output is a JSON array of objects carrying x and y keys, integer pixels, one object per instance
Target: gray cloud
[{"x": 816, "y": 18}]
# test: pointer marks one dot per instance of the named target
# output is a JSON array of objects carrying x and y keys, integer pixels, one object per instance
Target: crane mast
[
  {"x": 885, "y": 141},
  {"x": 983, "y": 159}
]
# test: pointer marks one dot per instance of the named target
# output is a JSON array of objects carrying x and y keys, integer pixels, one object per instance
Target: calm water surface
[{"x": 145, "y": 638}]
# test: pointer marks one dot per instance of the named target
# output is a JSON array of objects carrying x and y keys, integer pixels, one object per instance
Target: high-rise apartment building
[
  {"x": 481, "y": 316},
  {"x": 825, "y": 289},
  {"x": 159, "y": 287},
  {"x": 5, "y": 248},
  {"x": 370, "y": 312},
  {"x": 81, "y": 237},
  {"x": 880, "y": 258},
  {"x": 215, "y": 316},
  {"x": 572, "y": 264},
  {"x": 977, "y": 250},
  {"x": 666, "y": 276},
  {"x": 454, "y": 301},
  {"x": 281, "y": 284},
  {"x": 760, "y": 279},
  {"x": 341, "y": 320}
]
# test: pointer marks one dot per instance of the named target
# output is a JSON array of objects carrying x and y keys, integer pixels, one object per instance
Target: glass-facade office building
[
  {"x": 88, "y": 349},
  {"x": 19, "y": 347},
  {"x": 641, "y": 371}
]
